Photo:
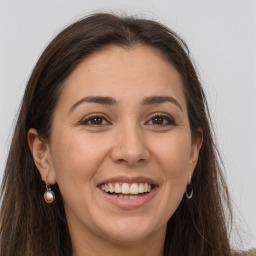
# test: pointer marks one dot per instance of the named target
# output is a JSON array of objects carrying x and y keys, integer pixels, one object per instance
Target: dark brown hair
[{"x": 29, "y": 226}]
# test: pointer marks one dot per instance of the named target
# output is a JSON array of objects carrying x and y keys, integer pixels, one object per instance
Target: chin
[{"x": 131, "y": 230}]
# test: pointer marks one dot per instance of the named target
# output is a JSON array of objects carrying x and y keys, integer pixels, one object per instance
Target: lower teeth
[{"x": 125, "y": 196}]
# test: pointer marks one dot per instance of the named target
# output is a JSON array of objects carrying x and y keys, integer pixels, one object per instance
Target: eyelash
[
  {"x": 91, "y": 117},
  {"x": 170, "y": 121}
]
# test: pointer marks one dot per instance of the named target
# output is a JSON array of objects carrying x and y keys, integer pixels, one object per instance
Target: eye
[
  {"x": 95, "y": 120},
  {"x": 161, "y": 120}
]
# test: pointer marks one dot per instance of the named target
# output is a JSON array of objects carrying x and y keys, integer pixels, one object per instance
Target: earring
[
  {"x": 189, "y": 190},
  {"x": 49, "y": 195}
]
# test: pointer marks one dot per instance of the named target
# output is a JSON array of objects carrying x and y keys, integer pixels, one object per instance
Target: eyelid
[
  {"x": 161, "y": 114},
  {"x": 87, "y": 118}
]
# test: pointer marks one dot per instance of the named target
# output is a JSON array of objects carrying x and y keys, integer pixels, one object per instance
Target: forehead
[{"x": 125, "y": 74}]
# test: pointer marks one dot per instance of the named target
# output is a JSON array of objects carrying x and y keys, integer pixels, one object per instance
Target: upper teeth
[{"x": 126, "y": 188}]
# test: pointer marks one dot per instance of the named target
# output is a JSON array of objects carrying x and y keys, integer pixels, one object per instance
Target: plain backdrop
[{"x": 221, "y": 35}]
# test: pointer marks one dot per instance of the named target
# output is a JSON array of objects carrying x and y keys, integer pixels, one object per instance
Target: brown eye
[
  {"x": 158, "y": 120},
  {"x": 95, "y": 120},
  {"x": 161, "y": 120}
]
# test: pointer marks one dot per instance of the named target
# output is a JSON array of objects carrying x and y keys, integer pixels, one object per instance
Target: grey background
[{"x": 222, "y": 38}]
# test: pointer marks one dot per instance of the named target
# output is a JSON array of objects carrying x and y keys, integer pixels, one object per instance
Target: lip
[
  {"x": 133, "y": 203},
  {"x": 129, "y": 204}
]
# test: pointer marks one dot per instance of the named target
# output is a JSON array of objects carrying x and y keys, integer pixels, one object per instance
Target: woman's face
[{"x": 121, "y": 148}]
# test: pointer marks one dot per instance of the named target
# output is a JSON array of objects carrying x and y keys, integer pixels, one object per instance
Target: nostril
[{"x": 130, "y": 151}]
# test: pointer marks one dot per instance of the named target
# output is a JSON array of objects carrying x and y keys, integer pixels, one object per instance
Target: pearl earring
[{"x": 49, "y": 195}]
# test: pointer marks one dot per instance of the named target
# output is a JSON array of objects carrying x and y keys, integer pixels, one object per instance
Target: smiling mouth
[{"x": 126, "y": 190}]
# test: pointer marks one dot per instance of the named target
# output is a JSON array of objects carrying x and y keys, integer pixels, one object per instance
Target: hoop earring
[
  {"x": 49, "y": 195},
  {"x": 189, "y": 190}
]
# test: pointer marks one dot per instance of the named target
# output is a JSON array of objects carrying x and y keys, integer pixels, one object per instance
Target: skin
[{"x": 126, "y": 141}]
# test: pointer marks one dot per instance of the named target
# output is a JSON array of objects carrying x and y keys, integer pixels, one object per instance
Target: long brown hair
[{"x": 29, "y": 226}]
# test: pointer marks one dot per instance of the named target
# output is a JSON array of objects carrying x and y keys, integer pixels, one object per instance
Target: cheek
[
  {"x": 75, "y": 158},
  {"x": 174, "y": 156}
]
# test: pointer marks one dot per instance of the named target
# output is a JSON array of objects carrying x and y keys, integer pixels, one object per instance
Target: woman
[{"x": 114, "y": 134}]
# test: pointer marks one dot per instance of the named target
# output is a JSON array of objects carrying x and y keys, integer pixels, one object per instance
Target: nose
[{"x": 129, "y": 147}]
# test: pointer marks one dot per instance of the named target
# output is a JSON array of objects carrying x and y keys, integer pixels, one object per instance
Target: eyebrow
[
  {"x": 95, "y": 99},
  {"x": 161, "y": 99},
  {"x": 109, "y": 101}
]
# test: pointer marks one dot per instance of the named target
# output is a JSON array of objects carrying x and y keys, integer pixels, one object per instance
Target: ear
[
  {"x": 41, "y": 153},
  {"x": 197, "y": 142}
]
